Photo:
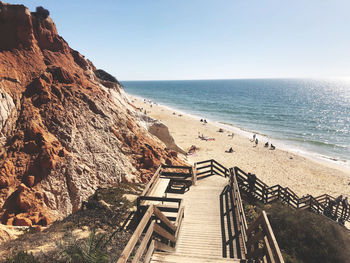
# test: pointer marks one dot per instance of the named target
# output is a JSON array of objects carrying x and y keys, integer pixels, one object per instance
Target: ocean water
[{"x": 311, "y": 116}]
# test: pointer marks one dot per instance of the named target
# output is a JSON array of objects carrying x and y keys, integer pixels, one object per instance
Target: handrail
[
  {"x": 148, "y": 219},
  {"x": 261, "y": 232},
  {"x": 151, "y": 184},
  {"x": 268, "y": 194},
  {"x": 240, "y": 208},
  {"x": 210, "y": 167}
]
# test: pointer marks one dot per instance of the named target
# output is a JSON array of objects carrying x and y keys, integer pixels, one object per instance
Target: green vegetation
[
  {"x": 92, "y": 250},
  {"x": 22, "y": 257},
  {"x": 303, "y": 236},
  {"x": 103, "y": 215}
]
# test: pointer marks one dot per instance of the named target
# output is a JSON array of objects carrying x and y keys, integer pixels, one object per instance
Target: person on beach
[
  {"x": 272, "y": 147},
  {"x": 266, "y": 144},
  {"x": 229, "y": 150},
  {"x": 339, "y": 199},
  {"x": 205, "y": 121},
  {"x": 256, "y": 142},
  {"x": 231, "y": 135},
  {"x": 254, "y": 136},
  {"x": 251, "y": 181},
  {"x": 345, "y": 204}
]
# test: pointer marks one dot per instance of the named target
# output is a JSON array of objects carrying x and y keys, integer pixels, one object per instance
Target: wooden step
[{"x": 184, "y": 258}]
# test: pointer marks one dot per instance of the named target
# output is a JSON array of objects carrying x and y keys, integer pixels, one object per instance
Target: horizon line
[{"x": 258, "y": 78}]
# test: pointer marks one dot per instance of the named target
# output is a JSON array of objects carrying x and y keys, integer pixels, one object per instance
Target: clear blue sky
[{"x": 207, "y": 39}]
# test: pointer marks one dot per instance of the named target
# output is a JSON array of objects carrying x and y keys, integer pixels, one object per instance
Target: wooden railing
[
  {"x": 324, "y": 204},
  {"x": 155, "y": 230},
  {"x": 167, "y": 205},
  {"x": 152, "y": 183},
  {"x": 254, "y": 243},
  {"x": 239, "y": 207},
  {"x": 232, "y": 227},
  {"x": 262, "y": 244},
  {"x": 170, "y": 171},
  {"x": 210, "y": 167},
  {"x": 159, "y": 233}
]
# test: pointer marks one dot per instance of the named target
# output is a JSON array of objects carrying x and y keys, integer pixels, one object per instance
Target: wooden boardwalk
[
  {"x": 200, "y": 238},
  {"x": 204, "y": 222}
]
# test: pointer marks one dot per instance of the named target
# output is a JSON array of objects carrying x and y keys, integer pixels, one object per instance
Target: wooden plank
[
  {"x": 176, "y": 167},
  {"x": 175, "y": 174},
  {"x": 272, "y": 238},
  {"x": 269, "y": 253},
  {"x": 229, "y": 228},
  {"x": 203, "y": 167},
  {"x": 163, "y": 218},
  {"x": 203, "y": 162},
  {"x": 161, "y": 246},
  {"x": 150, "y": 184},
  {"x": 205, "y": 172},
  {"x": 194, "y": 174},
  {"x": 143, "y": 244},
  {"x": 162, "y": 232},
  {"x": 167, "y": 208},
  {"x": 179, "y": 220},
  {"x": 219, "y": 169},
  {"x": 222, "y": 218},
  {"x": 160, "y": 199},
  {"x": 136, "y": 235},
  {"x": 149, "y": 252}
]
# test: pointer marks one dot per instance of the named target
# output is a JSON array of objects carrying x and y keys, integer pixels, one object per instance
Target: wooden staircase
[
  {"x": 211, "y": 229},
  {"x": 199, "y": 239}
]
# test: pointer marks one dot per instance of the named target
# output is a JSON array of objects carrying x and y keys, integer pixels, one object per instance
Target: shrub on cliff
[
  {"x": 303, "y": 236},
  {"x": 42, "y": 12},
  {"x": 308, "y": 237}
]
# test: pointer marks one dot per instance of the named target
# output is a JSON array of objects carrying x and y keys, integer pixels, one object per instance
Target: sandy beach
[{"x": 302, "y": 174}]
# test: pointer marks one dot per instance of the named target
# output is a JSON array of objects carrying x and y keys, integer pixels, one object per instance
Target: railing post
[
  {"x": 138, "y": 209},
  {"x": 311, "y": 203},
  {"x": 194, "y": 174},
  {"x": 264, "y": 194}
]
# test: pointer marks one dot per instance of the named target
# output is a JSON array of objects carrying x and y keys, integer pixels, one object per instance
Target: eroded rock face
[{"x": 65, "y": 130}]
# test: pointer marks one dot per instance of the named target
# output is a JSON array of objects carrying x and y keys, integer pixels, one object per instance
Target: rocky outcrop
[
  {"x": 66, "y": 127},
  {"x": 161, "y": 131}
]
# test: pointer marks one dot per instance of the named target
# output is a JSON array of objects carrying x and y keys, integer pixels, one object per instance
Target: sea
[{"x": 306, "y": 116}]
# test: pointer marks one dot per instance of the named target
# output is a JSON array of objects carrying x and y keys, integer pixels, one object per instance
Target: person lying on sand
[
  {"x": 192, "y": 150},
  {"x": 266, "y": 144},
  {"x": 231, "y": 135},
  {"x": 206, "y": 138},
  {"x": 220, "y": 130},
  {"x": 229, "y": 150}
]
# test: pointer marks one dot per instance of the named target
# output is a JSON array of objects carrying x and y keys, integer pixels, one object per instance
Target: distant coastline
[
  {"x": 314, "y": 156},
  {"x": 303, "y": 116}
]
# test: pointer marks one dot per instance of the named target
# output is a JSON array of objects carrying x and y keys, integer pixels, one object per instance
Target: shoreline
[
  {"x": 332, "y": 162},
  {"x": 301, "y": 174}
]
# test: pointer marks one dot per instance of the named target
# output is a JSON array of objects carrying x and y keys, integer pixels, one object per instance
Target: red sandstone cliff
[{"x": 65, "y": 128}]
